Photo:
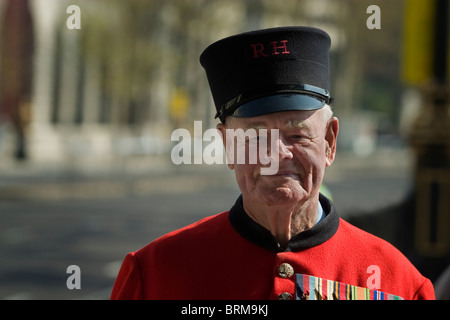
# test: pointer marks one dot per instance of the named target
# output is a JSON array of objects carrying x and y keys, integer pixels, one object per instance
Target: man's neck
[{"x": 284, "y": 221}]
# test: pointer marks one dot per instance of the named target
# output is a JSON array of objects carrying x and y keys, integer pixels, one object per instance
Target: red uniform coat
[{"x": 229, "y": 256}]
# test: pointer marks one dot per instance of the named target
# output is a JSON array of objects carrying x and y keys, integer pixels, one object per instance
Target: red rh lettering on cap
[
  {"x": 283, "y": 46},
  {"x": 259, "y": 49}
]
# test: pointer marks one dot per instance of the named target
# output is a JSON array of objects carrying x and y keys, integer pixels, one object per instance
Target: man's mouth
[{"x": 287, "y": 174}]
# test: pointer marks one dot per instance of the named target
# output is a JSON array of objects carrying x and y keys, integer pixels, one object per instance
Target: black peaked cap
[{"x": 269, "y": 70}]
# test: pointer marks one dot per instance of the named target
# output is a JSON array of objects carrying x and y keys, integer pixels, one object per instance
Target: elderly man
[{"x": 282, "y": 239}]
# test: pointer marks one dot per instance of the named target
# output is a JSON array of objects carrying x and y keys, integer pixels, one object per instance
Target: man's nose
[
  {"x": 280, "y": 148},
  {"x": 284, "y": 149}
]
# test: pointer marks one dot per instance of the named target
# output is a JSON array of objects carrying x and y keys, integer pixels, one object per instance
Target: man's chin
[{"x": 284, "y": 195}]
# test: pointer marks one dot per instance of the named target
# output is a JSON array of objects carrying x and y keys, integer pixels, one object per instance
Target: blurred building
[{"x": 113, "y": 88}]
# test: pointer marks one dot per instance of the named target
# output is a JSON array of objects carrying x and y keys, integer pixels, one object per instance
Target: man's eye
[
  {"x": 297, "y": 138},
  {"x": 251, "y": 139},
  {"x": 255, "y": 139}
]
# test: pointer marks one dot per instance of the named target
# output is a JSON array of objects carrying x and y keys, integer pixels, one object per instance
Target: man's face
[{"x": 306, "y": 145}]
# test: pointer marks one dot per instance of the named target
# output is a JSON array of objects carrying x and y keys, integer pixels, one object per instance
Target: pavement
[{"x": 103, "y": 178}]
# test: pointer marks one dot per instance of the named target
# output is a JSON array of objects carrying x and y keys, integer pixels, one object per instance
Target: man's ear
[
  {"x": 222, "y": 128},
  {"x": 331, "y": 134}
]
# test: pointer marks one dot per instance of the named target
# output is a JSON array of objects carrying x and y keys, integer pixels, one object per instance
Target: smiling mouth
[{"x": 287, "y": 174}]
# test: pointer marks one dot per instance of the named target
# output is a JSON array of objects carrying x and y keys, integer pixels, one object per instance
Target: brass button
[
  {"x": 285, "y": 270},
  {"x": 285, "y": 296}
]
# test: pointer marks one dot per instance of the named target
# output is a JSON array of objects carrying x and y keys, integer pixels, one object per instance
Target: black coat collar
[{"x": 262, "y": 237}]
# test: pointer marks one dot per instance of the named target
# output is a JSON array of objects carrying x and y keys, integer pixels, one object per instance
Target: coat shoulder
[
  {"x": 393, "y": 264},
  {"x": 196, "y": 233}
]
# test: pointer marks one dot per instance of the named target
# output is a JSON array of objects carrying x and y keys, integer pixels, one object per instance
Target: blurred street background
[{"x": 90, "y": 92}]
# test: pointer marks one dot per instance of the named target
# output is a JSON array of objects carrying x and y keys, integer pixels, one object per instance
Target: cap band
[
  {"x": 277, "y": 103},
  {"x": 278, "y": 98}
]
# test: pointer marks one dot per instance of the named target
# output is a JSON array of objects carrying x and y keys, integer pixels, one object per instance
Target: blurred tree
[
  {"x": 117, "y": 36},
  {"x": 141, "y": 45},
  {"x": 370, "y": 59}
]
